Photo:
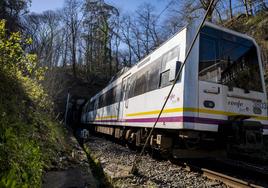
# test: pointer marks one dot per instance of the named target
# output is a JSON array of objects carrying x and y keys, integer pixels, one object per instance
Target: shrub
[{"x": 28, "y": 135}]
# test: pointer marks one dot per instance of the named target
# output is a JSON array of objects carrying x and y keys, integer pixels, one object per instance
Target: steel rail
[
  {"x": 228, "y": 180},
  {"x": 221, "y": 177}
]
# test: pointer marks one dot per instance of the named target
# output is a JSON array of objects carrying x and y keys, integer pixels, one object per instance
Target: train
[{"x": 219, "y": 100}]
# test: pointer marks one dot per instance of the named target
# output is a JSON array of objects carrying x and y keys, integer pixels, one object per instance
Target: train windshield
[{"x": 229, "y": 60}]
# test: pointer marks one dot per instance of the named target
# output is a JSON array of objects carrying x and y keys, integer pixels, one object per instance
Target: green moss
[{"x": 97, "y": 169}]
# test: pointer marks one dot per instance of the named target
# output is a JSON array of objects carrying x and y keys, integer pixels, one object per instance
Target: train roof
[{"x": 121, "y": 74}]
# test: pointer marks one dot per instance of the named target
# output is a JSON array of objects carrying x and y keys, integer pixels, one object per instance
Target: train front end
[{"x": 232, "y": 99}]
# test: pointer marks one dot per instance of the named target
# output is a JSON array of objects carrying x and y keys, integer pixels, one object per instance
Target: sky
[{"x": 39, "y": 6}]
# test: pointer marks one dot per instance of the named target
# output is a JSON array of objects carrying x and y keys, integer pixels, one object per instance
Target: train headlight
[{"x": 209, "y": 104}]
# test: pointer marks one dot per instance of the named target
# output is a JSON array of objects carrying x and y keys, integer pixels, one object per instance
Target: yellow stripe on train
[{"x": 206, "y": 111}]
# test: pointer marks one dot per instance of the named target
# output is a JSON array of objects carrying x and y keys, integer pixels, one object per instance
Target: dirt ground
[
  {"x": 71, "y": 169},
  {"x": 75, "y": 177}
]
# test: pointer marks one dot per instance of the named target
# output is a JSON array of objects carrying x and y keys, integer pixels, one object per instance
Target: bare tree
[
  {"x": 142, "y": 33},
  {"x": 44, "y": 29},
  {"x": 231, "y": 9},
  {"x": 126, "y": 34},
  {"x": 205, "y": 6},
  {"x": 72, "y": 21}
]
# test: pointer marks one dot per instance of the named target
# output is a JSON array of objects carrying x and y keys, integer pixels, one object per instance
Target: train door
[
  {"x": 123, "y": 99},
  {"x": 210, "y": 98}
]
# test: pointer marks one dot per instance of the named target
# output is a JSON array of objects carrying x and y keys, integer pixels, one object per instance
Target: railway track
[
  {"x": 179, "y": 172},
  {"x": 231, "y": 172},
  {"x": 228, "y": 180}
]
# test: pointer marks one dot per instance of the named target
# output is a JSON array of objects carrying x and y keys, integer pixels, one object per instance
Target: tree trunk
[
  {"x": 231, "y": 9},
  {"x": 246, "y": 7},
  {"x": 250, "y": 4},
  {"x": 73, "y": 49},
  {"x": 110, "y": 60}
]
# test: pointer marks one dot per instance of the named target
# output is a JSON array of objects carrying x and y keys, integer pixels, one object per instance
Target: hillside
[
  {"x": 31, "y": 140},
  {"x": 257, "y": 27}
]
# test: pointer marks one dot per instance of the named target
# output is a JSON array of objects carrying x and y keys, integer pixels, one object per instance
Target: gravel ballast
[{"x": 116, "y": 161}]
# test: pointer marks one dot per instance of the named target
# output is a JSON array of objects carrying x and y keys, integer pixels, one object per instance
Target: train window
[
  {"x": 91, "y": 105},
  {"x": 164, "y": 62},
  {"x": 228, "y": 59},
  {"x": 169, "y": 55},
  {"x": 148, "y": 78},
  {"x": 101, "y": 101},
  {"x": 110, "y": 97},
  {"x": 132, "y": 84},
  {"x": 113, "y": 95},
  {"x": 122, "y": 93},
  {"x": 164, "y": 79},
  {"x": 104, "y": 100},
  {"x": 207, "y": 62},
  {"x": 153, "y": 78},
  {"x": 96, "y": 103},
  {"x": 118, "y": 92},
  {"x": 127, "y": 89},
  {"x": 207, "y": 52},
  {"x": 141, "y": 84}
]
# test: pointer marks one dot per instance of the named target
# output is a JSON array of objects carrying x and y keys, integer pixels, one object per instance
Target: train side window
[
  {"x": 164, "y": 79},
  {"x": 113, "y": 95},
  {"x": 96, "y": 104},
  {"x": 141, "y": 84},
  {"x": 118, "y": 92},
  {"x": 153, "y": 78},
  {"x": 101, "y": 101},
  {"x": 164, "y": 62},
  {"x": 127, "y": 88},
  {"x": 91, "y": 105},
  {"x": 104, "y": 101},
  {"x": 110, "y": 97},
  {"x": 107, "y": 97},
  {"x": 132, "y": 84}
]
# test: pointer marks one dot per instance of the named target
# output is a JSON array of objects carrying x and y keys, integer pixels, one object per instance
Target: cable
[
  {"x": 167, "y": 6},
  {"x": 137, "y": 157}
]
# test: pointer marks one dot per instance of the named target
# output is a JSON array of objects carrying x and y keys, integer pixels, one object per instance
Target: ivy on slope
[{"x": 29, "y": 137}]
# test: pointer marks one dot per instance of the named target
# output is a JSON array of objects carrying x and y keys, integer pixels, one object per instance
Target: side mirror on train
[{"x": 174, "y": 68}]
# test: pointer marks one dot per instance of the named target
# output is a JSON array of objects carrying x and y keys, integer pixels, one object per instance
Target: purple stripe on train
[
  {"x": 177, "y": 119},
  {"x": 172, "y": 119}
]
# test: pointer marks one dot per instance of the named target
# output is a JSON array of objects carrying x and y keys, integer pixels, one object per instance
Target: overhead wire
[{"x": 137, "y": 157}]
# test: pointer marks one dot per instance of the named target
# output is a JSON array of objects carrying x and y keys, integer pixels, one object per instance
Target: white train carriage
[{"x": 222, "y": 82}]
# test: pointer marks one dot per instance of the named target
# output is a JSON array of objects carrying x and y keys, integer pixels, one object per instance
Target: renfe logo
[
  {"x": 239, "y": 105},
  {"x": 235, "y": 103}
]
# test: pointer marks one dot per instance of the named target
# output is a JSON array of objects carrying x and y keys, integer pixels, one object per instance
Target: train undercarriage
[{"x": 241, "y": 140}]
